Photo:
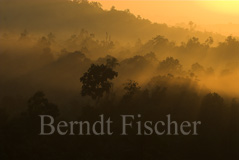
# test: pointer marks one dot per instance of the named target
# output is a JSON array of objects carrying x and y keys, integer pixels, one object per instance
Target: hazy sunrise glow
[{"x": 172, "y": 12}]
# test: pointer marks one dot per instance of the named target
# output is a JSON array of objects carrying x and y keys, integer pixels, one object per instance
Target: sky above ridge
[{"x": 177, "y": 11}]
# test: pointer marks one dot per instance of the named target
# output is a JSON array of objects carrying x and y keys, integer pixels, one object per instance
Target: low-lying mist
[
  {"x": 75, "y": 61},
  {"x": 30, "y": 62},
  {"x": 39, "y": 52}
]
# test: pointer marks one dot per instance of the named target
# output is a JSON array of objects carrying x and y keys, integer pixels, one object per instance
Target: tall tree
[{"x": 96, "y": 81}]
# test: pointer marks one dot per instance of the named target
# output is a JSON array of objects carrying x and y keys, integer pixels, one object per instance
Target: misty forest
[{"x": 74, "y": 60}]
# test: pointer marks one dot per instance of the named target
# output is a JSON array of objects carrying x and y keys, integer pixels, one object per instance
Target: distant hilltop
[{"x": 64, "y": 17}]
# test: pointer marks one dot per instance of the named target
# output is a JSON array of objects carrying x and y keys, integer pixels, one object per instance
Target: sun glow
[{"x": 222, "y": 6}]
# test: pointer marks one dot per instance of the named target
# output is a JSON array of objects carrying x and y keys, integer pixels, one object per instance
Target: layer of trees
[{"x": 90, "y": 72}]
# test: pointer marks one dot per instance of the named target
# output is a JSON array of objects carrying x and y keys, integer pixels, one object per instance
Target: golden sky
[{"x": 177, "y": 11}]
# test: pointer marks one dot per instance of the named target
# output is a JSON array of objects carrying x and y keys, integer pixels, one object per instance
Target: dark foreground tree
[
  {"x": 212, "y": 114},
  {"x": 96, "y": 81},
  {"x": 39, "y": 105}
]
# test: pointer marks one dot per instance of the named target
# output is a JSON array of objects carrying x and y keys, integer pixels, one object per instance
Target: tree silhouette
[
  {"x": 96, "y": 81},
  {"x": 109, "y": 61},
  {"x": 192, "y": 25},
  {"x": 39, "y": 105},
  {"x": 198, "y": 68},
  {"x": 112, "y": 62},
  {"x": 193, "y": 43},
  {"x": 234, "y": 115},
  {"x": 131, "y": 87},
  {"x": 170, "y": 65},
  {"x": 212, "y": 101},
  {"x": 212, "y": 113},
  {"x": 212, "y": 105},
  {"x": 209, "y": 41}
]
